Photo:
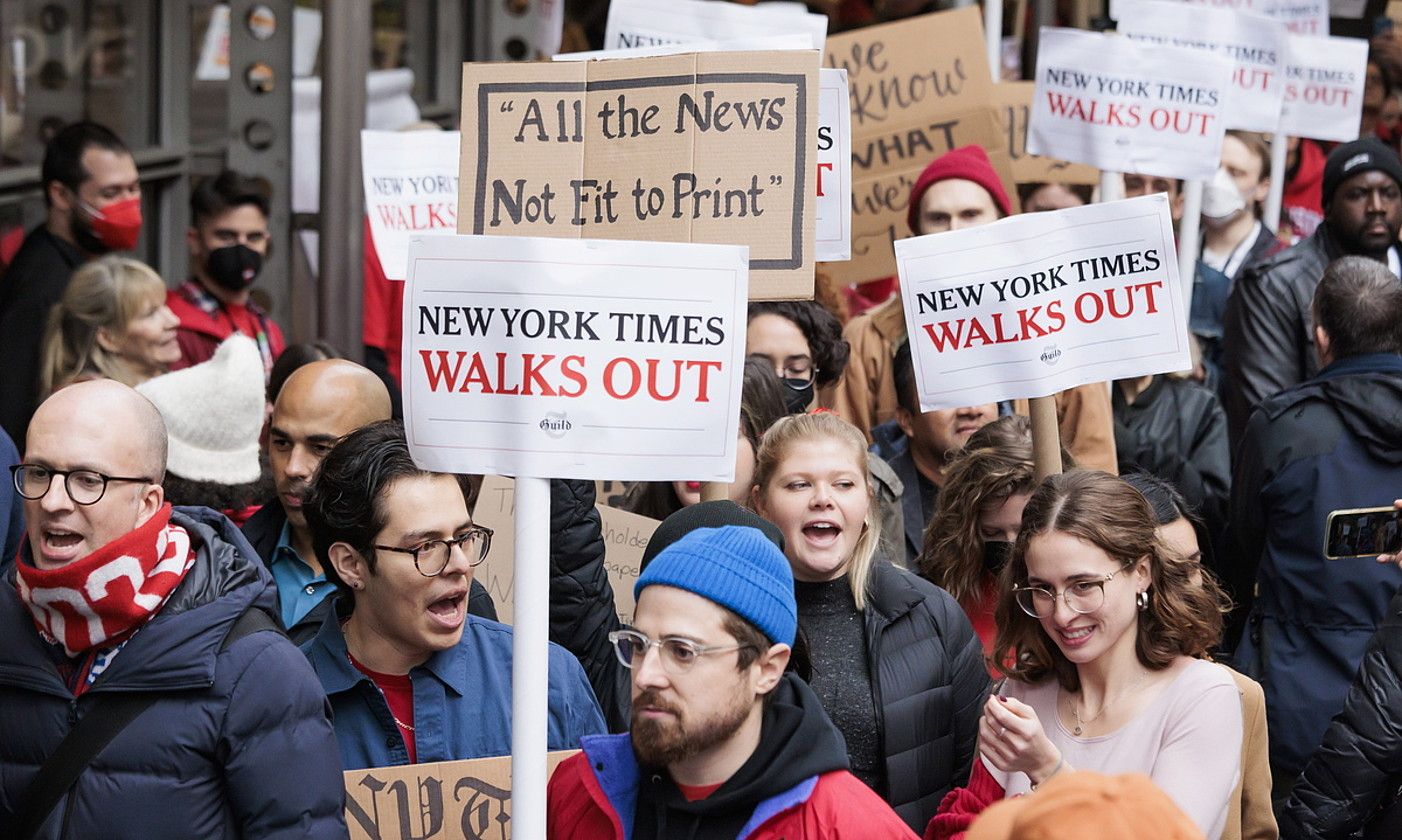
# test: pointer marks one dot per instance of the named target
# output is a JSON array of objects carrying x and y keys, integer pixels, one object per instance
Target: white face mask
[{"x": 1221, "y": 200}]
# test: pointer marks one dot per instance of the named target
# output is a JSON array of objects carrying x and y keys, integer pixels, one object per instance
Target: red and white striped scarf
[{"x": 104, "y": 597}]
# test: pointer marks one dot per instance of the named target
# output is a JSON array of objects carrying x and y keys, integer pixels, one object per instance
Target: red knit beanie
[{"x": 969, "y": 163}]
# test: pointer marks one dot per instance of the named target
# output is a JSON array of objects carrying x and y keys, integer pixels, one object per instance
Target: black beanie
[
  {"x": 706, "y": 515},
  {"x": 1364, "y": 155}
]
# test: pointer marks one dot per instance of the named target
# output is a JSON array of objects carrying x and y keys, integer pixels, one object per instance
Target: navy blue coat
[
  {"x": 1331, "y": 443},
  {"x": 241, "y": 747}
]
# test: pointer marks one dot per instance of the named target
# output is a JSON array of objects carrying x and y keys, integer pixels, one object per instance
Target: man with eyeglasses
[
  {"x": 723, "y": 742},
  {"x": 135, "y": 625},
  {"x": 411, "y": 676}
]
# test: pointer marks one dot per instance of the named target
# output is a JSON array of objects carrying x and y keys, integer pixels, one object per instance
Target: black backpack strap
[{"x": 108, "y": 716}]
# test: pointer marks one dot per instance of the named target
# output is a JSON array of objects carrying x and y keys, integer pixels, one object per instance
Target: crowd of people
[{"x": 226, "y": 581}]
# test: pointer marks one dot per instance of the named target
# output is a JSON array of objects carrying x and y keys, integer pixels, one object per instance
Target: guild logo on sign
[
  {"x": 555, "y": 424},
  {"x": 1051, "y": 355}
]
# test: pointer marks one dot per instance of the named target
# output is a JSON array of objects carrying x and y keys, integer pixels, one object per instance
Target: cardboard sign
[
  {"x": 647, "y": 23},
  {"x": 1036, "y": 304},
  {"x": 446, "y": 800},
  {"x": 411, "y": 187},
  {"x": 1126, "y": 106},
  {"x": 574, "y": 358},
  {"x": 710, "y": 147},
  {"x": 918, "y": 88},
  {"x": 1254, "y": 45},
  {"x": 626, "y": 536},
  {"x": 1324, "y": 87},
  {"x": 833, "y": 211},
  {"x": 1014, "y": 105}
]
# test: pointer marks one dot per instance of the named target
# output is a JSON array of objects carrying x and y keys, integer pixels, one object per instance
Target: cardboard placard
[
  {"x": 446, "y": 800},
  {"x": 411, "y": 187},
  {"x": 918, "y": 88},
  {"x": 625, "y": 534},
  {"x": 1014, "y": 107},
  {"x": 1324, "y": 87},
  {"x": 833, "y": 211},
  {"x": 1035, "y": 304},
  {"x": 574, "y": 358},
  {"x": 1127, "y": 106},
  {"x": 1255, "y": 46},
  {"x": 709, "y": 147},
  {"x": 649, "y": 23}
]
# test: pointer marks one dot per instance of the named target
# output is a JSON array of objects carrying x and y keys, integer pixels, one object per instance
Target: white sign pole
[
  {"x": 530, "y": 656},
  {"x": 1112, "y": 186},
  {"x": 1189, "y": 241},
  {"x": 993, "y": 32},
  {"x": 1270, "y": 215}
]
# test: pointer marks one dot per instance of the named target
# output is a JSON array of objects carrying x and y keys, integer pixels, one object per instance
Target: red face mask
[{"x": 117, "y": 225}]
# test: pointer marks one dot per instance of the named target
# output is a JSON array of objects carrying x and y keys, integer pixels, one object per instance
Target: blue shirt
[{"x": 299, "y": 589}]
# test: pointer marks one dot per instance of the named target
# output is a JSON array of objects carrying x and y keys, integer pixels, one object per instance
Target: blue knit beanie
[{"x": 736, "y": 567}]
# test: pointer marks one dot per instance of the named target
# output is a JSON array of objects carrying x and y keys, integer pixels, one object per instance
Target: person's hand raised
[{"x": 1012, "y": 739}]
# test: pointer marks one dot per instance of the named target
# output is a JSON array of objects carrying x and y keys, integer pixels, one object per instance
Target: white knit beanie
[{"x": 214, "y": 414}]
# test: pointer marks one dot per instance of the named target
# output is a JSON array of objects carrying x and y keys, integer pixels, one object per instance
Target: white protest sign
[
  {"x": 645, "y": 23},
  {"x": 1254, "y": 45},
  {"x": 1324, "y": 87},
  {"x": 833, "y": 211},
  {"x": 793, "y": 41},
  {"x": 411, "y": 187},
  {"x": 1126, "y": 106},
  {"x": 213, "y": 65},
  {"x": 574, "y": 358},
  {"x": 1036, "y": 304},
  {"x": 1303, "y": 17}
]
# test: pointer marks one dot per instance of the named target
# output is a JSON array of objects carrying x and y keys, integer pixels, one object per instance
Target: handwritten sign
[
  {"x": 1255, "y": 46},
  {"x": 1324, "y": 87},
  {"x": 446, "y": 800},
  {"x": 1014, "y": 105},
  {"x": 647, "y": 23},
  {"x": 411, "y": 188},
  {"x": 833, "y": 211},
  {"x": 1036, "y": 304},
  {"x": 574, "y": 358},
  {"x": 708, "y": 147},
  {"x": 918, "y": 88},
  {"x": 1126, "y": 106},
  {"x": 626, "y": 536}
]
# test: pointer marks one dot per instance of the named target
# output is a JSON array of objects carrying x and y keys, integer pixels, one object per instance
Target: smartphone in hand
[{"x": 1363, "y": 532}]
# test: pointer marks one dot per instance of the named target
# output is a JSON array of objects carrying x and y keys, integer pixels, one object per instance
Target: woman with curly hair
[
  {"x": 1107, "y": 633},
  {"x": 804, "y": 343}
]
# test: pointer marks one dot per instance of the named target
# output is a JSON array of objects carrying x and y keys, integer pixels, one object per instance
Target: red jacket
[{"x": 205, "y": 323}]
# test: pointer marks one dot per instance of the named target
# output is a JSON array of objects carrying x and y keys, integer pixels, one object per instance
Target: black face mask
[
  {"x": 234, "y": 267},
  {"x": 796, "y": 400},
  {"x": 996, "y": 554}
]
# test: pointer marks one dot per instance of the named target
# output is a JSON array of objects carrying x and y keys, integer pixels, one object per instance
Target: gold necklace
[
  {"x": 1076, "y": 711},
  {"x": 401, "y": 723}
]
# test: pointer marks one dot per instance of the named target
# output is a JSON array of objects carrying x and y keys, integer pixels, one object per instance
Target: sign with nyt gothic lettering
[
  {"x": 1036, "y": 304},
  {"x": 574, "y": 358},
  {"x": 708, "y": 147}
]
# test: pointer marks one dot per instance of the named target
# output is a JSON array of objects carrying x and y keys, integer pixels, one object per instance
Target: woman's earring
[{"x": 1142, "y": 599}]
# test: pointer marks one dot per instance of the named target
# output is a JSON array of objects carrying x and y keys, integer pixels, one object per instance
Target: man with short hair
[
  {"x": 117, "y": 601},
  {"x": 92, "y": 196},
  {"x": 723, "y": 743},
  {"x": 411, "y": 676},
  {"x": 1333, "y": 442},
  {"x": 1267, "y": 332},
  {"x": 228, "y": 241}
]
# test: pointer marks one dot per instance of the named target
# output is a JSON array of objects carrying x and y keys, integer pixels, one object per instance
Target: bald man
[
  {"x": 319, "y": 404},
  {"x": 120, "y": 608}
]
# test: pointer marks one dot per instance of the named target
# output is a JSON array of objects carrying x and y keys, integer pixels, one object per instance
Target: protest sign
[
  {"x": 1014, "y": 105},
  {"x": 686, "y": 148},
  {"x": 574, "y": 358},
  {"x": 625, "y": 534},
  {"x": 1255, "y": 46},
  {"x": 647, "y": 23},
  {"x": 445, "y": 800},
  {"x": 1035, "y": 304},
  {"x": 411, "y": 187},
  {"x": 1302, "y": 17},
  {"x": 918, "y": 87},
  {"x": 1324, "y": 87},
  {"x": 1127, "y": 106},
  {"x": 833, "y": 211}
]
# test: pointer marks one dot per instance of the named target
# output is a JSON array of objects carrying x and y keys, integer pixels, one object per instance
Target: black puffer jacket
[{"x": 1360, "y": 759}]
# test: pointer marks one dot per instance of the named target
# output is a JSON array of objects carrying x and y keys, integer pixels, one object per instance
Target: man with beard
[
  {"x": 92, "y": 196},
  {"x": 724, "y": 743},
  {"x": 1267, "y": 332},
  {"x": 228, "y": 240}
]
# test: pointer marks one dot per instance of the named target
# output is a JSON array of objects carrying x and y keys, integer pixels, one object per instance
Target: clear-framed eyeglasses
[
  {"x": 678, "y": 655},
  {"x": 431, "y": 557},
  {"x": 1085, "y": 596},
  {"x": 85, "y": 487}
]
